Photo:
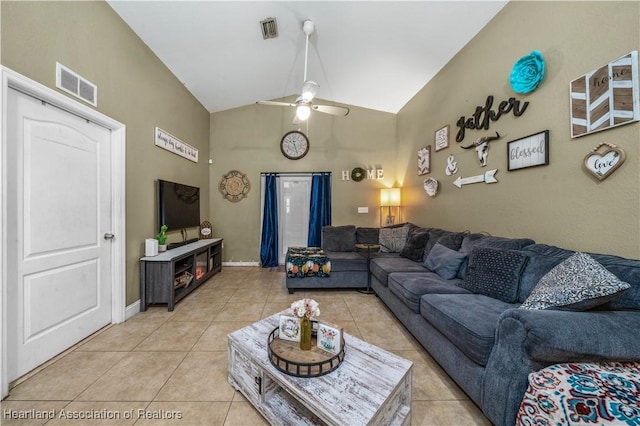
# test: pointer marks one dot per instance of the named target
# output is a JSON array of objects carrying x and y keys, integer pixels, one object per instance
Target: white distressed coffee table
[{"x": 370, "y": 387}]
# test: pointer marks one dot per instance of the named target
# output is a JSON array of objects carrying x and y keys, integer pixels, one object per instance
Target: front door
[
  {"x": 293, "y": 207},
  {"x": 58, "y": 220}
]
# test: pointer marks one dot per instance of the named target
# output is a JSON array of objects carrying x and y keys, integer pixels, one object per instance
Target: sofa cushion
[
  {"x": 342, "y": 261},
  {"x": 416, "y": 241},
  {"x": 339, "y": 238},
  {"x": 444, "y": 261},
  {"x": 578, "y": 283},
  {"x": 495, "y": 273},
  {"x": 368, "y": 235},
  {"x": 409, "y": 287},
  {"x": 469, "y": 321},
  {"x": 471, "y": 241},
  {"x": 382, "y": 266},
  {"x": 393, "y": 240}
]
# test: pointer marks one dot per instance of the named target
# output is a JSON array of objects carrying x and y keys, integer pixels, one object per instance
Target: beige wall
[
  {"x": 134, "y": 87},
  {"x": 248, "y": 139},
  {"x": 558, "y": 204}
]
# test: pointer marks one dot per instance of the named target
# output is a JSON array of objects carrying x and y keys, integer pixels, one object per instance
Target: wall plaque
[{"x": 605, "y": 97}]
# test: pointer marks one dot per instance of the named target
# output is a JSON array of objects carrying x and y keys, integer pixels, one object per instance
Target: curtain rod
[{"x": 293, "y": 173}]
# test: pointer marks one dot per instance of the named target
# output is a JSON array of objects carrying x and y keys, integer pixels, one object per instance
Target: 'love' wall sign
[{"x": 602, "y": 164}]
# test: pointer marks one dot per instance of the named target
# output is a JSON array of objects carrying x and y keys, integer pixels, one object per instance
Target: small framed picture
[
  {"x": 530, "y": 151},
  {"x": 289, "y": 328},
  {"x": 441, "y": 139},
  {"x": 329, "y": 337},
  {"x": 424, "y": 160}
]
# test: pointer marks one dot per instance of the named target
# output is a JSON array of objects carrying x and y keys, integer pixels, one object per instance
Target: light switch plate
[{"x": 363, "y": 209}]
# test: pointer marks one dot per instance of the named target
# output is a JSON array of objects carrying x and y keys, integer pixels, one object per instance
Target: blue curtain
[
  {"x": 320, "y": 208},
  {"x": 269, "y": 241}
]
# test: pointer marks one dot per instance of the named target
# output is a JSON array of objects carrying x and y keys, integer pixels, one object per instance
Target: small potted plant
[{"x": 162, "y": 238}]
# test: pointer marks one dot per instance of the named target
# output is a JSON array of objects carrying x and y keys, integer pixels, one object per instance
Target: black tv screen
[{"x": 179, "y": 205}]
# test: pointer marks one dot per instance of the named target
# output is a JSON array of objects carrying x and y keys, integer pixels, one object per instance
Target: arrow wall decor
[{"x": 487, "y": 177}]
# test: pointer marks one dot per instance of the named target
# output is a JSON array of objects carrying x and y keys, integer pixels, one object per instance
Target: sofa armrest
[
  {"x": 528, "y": 340},
  {"x": 554, "y": 336}
]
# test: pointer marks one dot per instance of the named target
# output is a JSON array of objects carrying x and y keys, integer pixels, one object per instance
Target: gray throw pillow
[
  {"x": 339, "y": 238},
  {"x": 368, "y": 235},
  {"x": 392, "y": 240},
  {"x": 579, "y": 283},
  {"x": 495, "y": 273},
  {"x": 416, "y": 241},
  {"x": 444, "y": 261}
]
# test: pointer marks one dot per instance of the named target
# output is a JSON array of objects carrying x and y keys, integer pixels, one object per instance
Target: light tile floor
[{"x": 161, "y": 365}]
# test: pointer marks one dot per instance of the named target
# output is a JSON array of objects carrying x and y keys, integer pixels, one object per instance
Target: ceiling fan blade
[
  {"x": 275, "y": 103},
  {"x": 333, "y": 110}
]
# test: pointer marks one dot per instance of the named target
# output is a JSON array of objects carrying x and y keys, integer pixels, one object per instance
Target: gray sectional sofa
[
  {"x": 348, "y": 264},
  {"x": 461, "y": 295}
]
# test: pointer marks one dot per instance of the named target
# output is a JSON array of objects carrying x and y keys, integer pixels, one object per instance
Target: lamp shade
[
  {"x": 390, "y": 197},
  {"x": 303, "y": 112},
  {"x": 309, "y": 90}
]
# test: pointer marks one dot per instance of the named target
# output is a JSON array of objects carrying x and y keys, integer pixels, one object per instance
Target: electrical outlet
[{"x": 363, "y": 209}]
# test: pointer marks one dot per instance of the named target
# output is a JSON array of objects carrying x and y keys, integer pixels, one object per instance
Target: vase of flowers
[{"x": 305, "y": 309}]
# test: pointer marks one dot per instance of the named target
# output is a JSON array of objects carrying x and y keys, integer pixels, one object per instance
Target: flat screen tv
[{"x": 178, "y": 205}]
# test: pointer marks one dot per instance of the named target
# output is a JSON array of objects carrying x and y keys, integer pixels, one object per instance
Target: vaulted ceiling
[{"x": 372, "y": 54}]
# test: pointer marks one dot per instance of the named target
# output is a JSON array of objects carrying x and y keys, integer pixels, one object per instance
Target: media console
[{"x": 171, "y": 275}]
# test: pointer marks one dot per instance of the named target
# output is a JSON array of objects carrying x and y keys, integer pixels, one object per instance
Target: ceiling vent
[
  {"x": 74, "y": 84},
  {"x": 269, "y": 28}
]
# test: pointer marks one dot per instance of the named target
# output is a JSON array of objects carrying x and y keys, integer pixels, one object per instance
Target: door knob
[{"x": 108, "y": 236}]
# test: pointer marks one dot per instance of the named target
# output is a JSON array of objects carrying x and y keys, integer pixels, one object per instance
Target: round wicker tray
[{"x": 287, "y": 357}]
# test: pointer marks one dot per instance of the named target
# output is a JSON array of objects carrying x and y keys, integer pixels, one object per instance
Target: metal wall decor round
[{"x": 234, "y": 186}]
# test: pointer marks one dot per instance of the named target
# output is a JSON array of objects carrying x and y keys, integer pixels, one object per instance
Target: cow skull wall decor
[{"x": 482, "y": 147}]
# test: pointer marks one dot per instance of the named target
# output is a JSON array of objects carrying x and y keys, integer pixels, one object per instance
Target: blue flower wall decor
[{"x": 527, "y": 73}]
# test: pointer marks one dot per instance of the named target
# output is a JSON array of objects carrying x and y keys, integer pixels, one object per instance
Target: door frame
[{"x": 12, "y": 79}]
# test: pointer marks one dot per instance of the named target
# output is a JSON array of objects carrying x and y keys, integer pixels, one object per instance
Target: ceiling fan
[{"x": 303, "y": 103}]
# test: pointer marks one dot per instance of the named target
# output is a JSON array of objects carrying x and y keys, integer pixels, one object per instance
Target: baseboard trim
[
  {"x": 240, "y": 263},
  {"x": 132, "y": 309}
]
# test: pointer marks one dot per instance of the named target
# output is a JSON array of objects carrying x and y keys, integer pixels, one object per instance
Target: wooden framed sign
[
  {"x": 169, "y": 142},
  {"x": 424, "y": 160},
  {"x": 529, "y": 151},
  {"x": 441, "y": 138},
  {"x": 605, "y": 97}
]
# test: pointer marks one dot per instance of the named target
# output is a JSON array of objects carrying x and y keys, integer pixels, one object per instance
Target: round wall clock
[
  {"x": 234, "y": 186},
  {"x": 294, "y": 145}
]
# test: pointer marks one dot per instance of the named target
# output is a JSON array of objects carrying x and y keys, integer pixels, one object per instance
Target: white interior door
[
  {"x": 58, "y": 211},
  {"x": 293, "y": 209}
]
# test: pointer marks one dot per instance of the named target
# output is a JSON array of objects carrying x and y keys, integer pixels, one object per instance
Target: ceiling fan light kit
[
  {"x": 303, "y": 112},
  {"x": 309, "y": 90},
  {"x": 304, "y": 103}
]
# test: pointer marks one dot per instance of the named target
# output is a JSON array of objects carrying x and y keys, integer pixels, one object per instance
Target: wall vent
[
  {"x": 269, "y": 28},
  {"x": 71, "y": 82}
]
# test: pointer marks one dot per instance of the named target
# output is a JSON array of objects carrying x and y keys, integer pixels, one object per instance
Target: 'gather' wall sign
[{"x": 484, "y": 115}]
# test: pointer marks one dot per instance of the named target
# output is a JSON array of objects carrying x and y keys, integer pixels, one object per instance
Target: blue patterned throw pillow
[
  {"x": 579, "y": 283},
  {"x": 495, "y": 273}
]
